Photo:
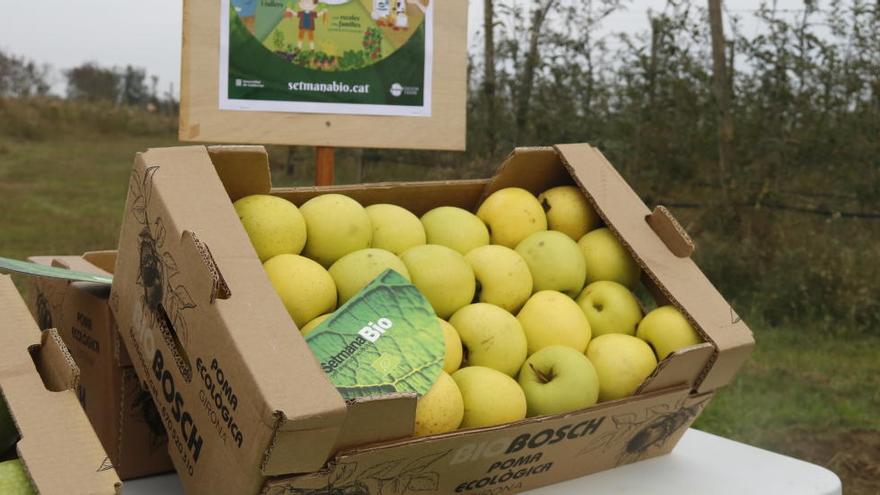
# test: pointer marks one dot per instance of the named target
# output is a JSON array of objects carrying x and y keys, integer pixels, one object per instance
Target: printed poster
[{"x": 362, "y": 57}]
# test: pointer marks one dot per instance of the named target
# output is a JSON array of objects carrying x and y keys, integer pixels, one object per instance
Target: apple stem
[{"x": 544, "y": 377}]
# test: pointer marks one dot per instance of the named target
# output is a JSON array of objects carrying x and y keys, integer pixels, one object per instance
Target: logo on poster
[
  {"x": 397, "y": 89},
  {"x": 252, "y": 83}
]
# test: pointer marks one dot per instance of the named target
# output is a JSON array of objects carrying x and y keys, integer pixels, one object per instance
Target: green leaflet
[
  {"x": 36, "y": 269},
  {"x": 386, "y": 339}
]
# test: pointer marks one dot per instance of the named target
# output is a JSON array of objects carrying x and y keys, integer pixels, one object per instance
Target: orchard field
[{"x": 810, "y": 389}]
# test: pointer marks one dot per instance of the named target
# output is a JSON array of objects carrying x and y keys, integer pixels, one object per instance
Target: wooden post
[{"x": 324, "y": 164}]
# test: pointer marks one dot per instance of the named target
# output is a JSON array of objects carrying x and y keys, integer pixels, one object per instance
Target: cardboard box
[
  {"x": 121, "y": 411},
  {"x": 247, "y": 406},
  {"x": 58, "y": 446}
]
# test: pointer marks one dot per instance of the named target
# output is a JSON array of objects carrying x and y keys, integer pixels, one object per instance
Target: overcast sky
[{"x": 66, "y": 33}]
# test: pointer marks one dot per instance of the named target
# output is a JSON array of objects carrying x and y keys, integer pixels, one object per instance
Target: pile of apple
[
  {"x": 534, "y": 295},
  {"x": 13, "y": 477}
]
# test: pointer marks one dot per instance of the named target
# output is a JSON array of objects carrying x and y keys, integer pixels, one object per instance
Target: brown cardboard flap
[
  {"x": 378, "y": 419},
  {"x": 682, "y": 367},
  {"x": 244, "y": 170},
  {"x": 533, "y": 169},
  {"x": 58, "y": 446},
  {"x": 670, "y": 232},
  {"x": 681, "y": 279},
  {"x": 417, "y": 197},
  {"x": 105, "y": 260},
  {"x": 54, "y": 363},
  {"x": 179, "y": 205}
]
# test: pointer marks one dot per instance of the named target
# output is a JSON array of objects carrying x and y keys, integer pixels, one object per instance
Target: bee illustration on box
[
  {"x": 163, "y": 300},
  {"x": 143, "y": 410},
  {"x": 394, "y": 477},
  {"x": 44, "y": 311},
  {"x": 638, "y": 434}
]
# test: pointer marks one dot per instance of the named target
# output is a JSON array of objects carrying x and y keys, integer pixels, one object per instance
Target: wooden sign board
[{"x": 439, "y": 123}]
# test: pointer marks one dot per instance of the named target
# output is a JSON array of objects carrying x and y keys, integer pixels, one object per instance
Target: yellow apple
[
  {"x": 568, "y": 211},
  {"x": 305, "y": 287},
  {"x": 336, "y": 225},
  {"x": 274, "y": 225},
  {"x": 610, "y": 307},
  {"x": 14, "y": 479},
  {"x": 503, "y": 277},
  {"x": 394, "y": 228},
  {"x": 312, "y": 325},
  {"x": 441, "y": 409},
  {"x": 355, "y": 270},
  {"x": 552, "y": 318},
  {"x": 555, "y": 262},
  {"x": 558, "y": 379},
  {"x": 490, "y": 397},
  {"x": 512, "y": 214},
  {"x": 452, "y": 359},
  {"x": 491, "y": 337},
  {"x": 622, "y": 363},
  {"x": 442, "y": 275},
  {"x": 455, "y": 228},
  {"x": 607, "y": 259},
  {"x": 666, "y": 330}
]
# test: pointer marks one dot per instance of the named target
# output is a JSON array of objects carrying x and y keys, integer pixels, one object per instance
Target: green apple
[
  {"x": 490, "y": 397},
  {"x": 555, "y": 262},
  {"x": 491, "y": 337},
  {"x": 305, "y": 287},
  {"x": 395, "y": 229},
  {"x": 312, "y": 325},
  {"x": 610, "y": 307},
  {"x": 607, "y": 259},
  {"x": 666, "y": 330},
  {"x": 14, "y": 479},
  {"x": 552, "y": 318},
  {"x": 274, "y": 225},
  {"x": 355, "y": 270},
  {"x": 441, "y": 409},
  {"x": 336, "y": 225},
  {"x": 455, "y": 228},
  {"x": 512, "y": 214},
  {"x": 8, "y": 431},
  {"x": 568, "y": 211},
  {"x": 558, "y": 379},
  {"x": 503, "y": 277},
  {"x": 442, "y": 275},
  {"x": 452, "y": 358},
  {"x": 622, "y": 363}
]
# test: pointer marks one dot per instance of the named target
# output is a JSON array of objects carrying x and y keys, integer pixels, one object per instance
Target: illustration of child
[
  {"x": 247, "y": 12},
  {"x": 307, "y": 20}
]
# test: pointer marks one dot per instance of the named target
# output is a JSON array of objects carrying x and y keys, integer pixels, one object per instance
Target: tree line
[{"x": 127, "y": 86}]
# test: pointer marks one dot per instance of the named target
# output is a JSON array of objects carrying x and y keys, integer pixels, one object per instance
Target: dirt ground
[{"x": 854, "y": 455}]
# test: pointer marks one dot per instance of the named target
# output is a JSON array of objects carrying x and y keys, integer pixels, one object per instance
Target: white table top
[{"x": 700, "y": 463}]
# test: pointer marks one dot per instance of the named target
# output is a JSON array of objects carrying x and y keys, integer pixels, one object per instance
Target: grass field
[{"x": 806, "y": 393}]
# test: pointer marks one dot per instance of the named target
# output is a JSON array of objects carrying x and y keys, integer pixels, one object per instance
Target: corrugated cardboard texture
[
  {"x": 512, "y": 458},
  {"x": 220, "y": 368},
  {"x": 179, "y": 207},
  {"x": 679, "y": 278},
  {"x": 121, "y": 412},
  {"x": 58, "y": 446}
]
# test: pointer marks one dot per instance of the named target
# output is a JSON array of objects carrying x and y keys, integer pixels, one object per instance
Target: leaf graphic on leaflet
[{"x": 399, "y": 348}]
